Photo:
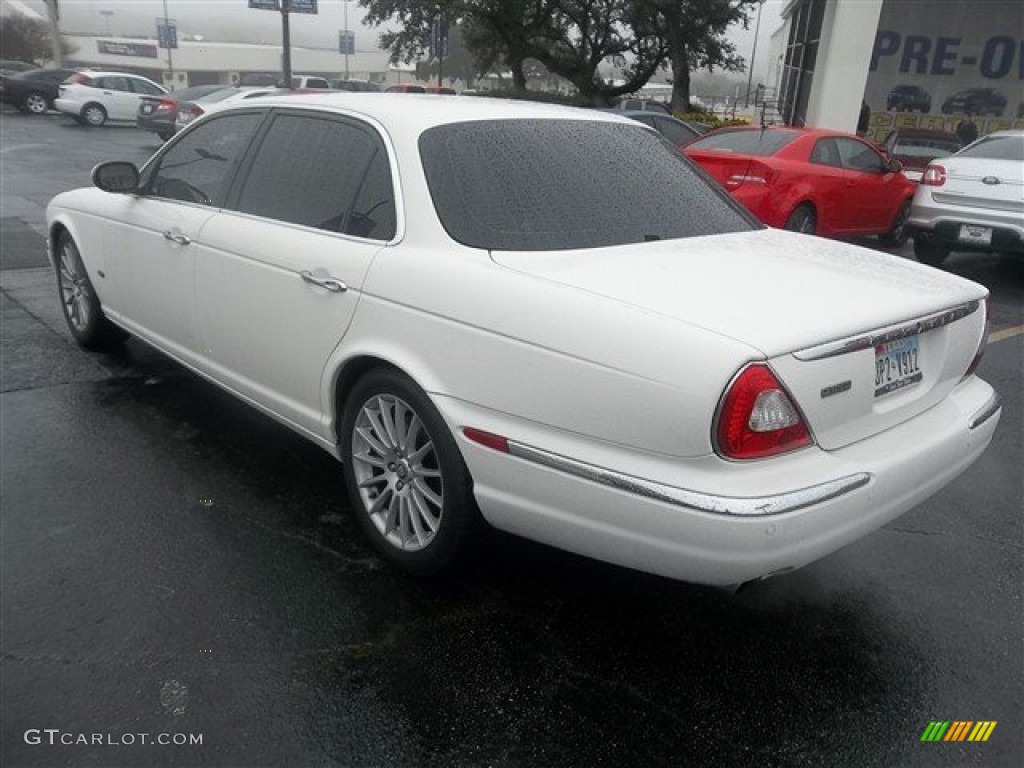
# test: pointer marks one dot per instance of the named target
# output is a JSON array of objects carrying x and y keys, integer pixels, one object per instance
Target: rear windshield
[
  {"x": 531, "y": 185},
  {"x": 746, "y": 142},
  {"x": 997, "y": 148}
]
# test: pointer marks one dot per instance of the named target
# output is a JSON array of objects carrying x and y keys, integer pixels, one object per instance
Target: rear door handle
[
  {"x": 332, "y": 284},
  {"x": 176, "y": 237}
]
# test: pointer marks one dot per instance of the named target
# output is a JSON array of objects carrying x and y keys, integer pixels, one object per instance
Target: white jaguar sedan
[{"x": 537, "y": 316}]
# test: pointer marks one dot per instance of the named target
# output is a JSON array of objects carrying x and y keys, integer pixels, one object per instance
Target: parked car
[
  {"x": 190, "y": 110},
  {"x": 916, "y": 147},
  {"x": 908, "y": 98},
  {"x": 643, "y": 105},
  {"x": 13, "y": 66},
  {"x": 359, "y": 86},
  {"x": 972, "y": 201},
  {"x": 441, "y": 90},
  {"x": 975, "y": 101},
  {"x": 92, "y": 98},
  {"x": 158, "y": 114},
  {"x": 490, "y": 337},
  {"x": 308, "y": 81},
  {"x": 405, "y": 88},
  {"x": 33, "y": 90},
  {"x": 808, "y": 180},
  {"x": 679, "y": 132}
]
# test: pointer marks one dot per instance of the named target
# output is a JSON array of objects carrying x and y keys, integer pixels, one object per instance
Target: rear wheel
[
  {"x": 897, "y": 235},
  {"x": 35, "y": 103},
  {"x": 803, "y": 220},
  {"x": 407, "y": 483},
  {"x": 94, "y": 115},
  {"x": 81, "y": 308},
  {"x": 930, "y": 253}
]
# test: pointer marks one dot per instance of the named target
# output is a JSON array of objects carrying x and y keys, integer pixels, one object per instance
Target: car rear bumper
[
  {"x": 940, "y": 223},
  {"x": 632, "y": 527},
  {"x": 68, "y": 106},
  {"x": 155, "y": 124}
]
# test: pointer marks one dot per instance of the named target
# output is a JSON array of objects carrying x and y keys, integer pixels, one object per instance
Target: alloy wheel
[
  {"x": 398, "y": 474},
  {"x": 36, "y": 104},
  {"x": 74, "y": 288}
]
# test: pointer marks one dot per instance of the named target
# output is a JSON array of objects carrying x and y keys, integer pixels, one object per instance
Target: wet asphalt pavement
[{"x": 176, "y": 564}]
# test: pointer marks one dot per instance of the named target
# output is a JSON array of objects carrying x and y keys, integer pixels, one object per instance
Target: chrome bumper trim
[
  {"x": 990, "y": 409},
  {"x": 874, "y": 338},
  {"x": 702, "y": 502}
]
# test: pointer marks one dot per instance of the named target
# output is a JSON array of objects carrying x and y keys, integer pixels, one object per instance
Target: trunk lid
[
  {"x": 982, "y": 183},
  {"x": 782, "y": 293}
]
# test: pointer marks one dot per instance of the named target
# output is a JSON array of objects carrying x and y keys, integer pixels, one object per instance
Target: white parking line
[{"x": 1006, "y": 333}]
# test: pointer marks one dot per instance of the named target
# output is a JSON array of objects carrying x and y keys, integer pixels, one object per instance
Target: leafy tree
[
  {"x": 26, "y": 39},
  {"x": 694, "y": 35}
]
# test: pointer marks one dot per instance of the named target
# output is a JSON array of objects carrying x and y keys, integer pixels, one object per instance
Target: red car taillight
[
  {"x": 755, "y": 173},
  {"x": 80, "y": 79},
  {"x": 982, "y": 344},
  {"x": 757, "y": 418},
  {"x": 167, "y": 105},
  {"x": 934, "y": 176}
]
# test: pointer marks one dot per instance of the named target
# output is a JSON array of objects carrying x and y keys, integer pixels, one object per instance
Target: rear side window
[
  {"x": 147, "y": 89},
  {"x": 996, "y": 148},
  {"x": 199, "y": 167},
  {"x": 559, "y": 184},
  {"x": 826, "y": 152},
  {"x": 745, "y": 142},
  {"x": 310, "y": 170}
]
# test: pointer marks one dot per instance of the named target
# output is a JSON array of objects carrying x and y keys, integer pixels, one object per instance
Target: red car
[{"x": 813, "y": 181}]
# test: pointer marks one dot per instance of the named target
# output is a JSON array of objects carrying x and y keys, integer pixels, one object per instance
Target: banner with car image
[{"x": 946, "y": 71}]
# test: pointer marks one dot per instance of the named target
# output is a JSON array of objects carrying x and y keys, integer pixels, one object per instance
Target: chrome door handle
[
  {"x": 176, "y": 237},
  {"x": 332, "y": 284}
]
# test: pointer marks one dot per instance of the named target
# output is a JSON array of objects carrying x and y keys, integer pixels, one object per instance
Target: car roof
[
  {"x": 814, "y": 132},
  {"x": 113, "y": 73},
  {"x": 417, "y": 112}
]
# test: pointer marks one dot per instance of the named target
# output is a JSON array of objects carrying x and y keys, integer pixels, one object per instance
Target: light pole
[
  {"x": 170, "y": 59},
  {"x": 753, "y": 53},
  {"x": 347, "y": 38}
]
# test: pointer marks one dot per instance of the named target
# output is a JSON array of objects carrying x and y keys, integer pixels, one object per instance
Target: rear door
[{"x": 279, "y": 286}]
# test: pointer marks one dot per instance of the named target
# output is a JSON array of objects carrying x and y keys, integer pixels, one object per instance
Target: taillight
[
  {"x": 167, "y": 105},
  {"x": 982, "y": 344},
  {"x": 80, "y": 79},
  {"x": 934, "y": 176},
  {"x": 755, "y": 173},
  {"x": 757, "y": 417},
  {"x": 189, "y": 113}
]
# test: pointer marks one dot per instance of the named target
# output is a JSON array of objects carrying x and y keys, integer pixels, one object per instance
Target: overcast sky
[{"x": 234, "y": 21}]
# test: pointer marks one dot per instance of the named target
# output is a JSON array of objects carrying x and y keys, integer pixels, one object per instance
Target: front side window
[
  {"x": 199, "y": 167},
  {"x": 310, "y": 170},
  {"x": 858, "y": 156},
  {"x": 534, "y": 185}
]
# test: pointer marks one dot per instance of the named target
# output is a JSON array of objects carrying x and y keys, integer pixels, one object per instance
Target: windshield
[
  {"x": 746, "y": 142},
  {"x": 560, "y": 184}
]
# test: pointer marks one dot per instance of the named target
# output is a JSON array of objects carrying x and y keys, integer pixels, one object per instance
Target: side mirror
[
  {"x": 117, "y": 176},
  {"x": 894, "y": 165}
]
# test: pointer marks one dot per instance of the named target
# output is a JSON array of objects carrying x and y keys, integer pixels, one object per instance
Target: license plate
[
  {"x": 969, "y": 233},
  {"x": 897, "y": 365},
  {"x": 147, "y": 108}
]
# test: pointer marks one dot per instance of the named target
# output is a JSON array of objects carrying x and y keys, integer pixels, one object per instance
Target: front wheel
[
  {"x": 78, "y": 301},
  {"x": 897, "y": 235},
  {"x": 802, "y": 220},
  {"x": 407, "y": 483},
  {"x": 930, "y": 253}
]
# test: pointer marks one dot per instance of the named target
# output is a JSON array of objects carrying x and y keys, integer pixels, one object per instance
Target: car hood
[{"x": 774, "y": 290}]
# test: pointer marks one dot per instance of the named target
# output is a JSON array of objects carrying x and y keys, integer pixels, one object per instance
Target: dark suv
[
  {"x": 908, "y": 98},
  {"x": 975, "y": 101}
]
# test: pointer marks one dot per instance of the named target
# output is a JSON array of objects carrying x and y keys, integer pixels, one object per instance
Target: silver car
[{"x": 971, "y": 201}]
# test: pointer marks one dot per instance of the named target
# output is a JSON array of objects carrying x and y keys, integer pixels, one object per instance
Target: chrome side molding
[{"x": 702, "y": 502}]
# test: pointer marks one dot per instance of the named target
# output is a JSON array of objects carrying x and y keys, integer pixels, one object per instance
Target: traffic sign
[
  {"x": 346, "y": 42},
  {"x": 167, "y": 34}
]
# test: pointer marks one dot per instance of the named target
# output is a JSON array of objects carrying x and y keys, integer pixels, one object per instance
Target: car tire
[
  {"x": 408, "y": 485},
  {"x": 94, "y": 115},
  {"x": 897, "y": 235},
  {"x": 803, "y": 219},
  {"x": 35, "y": 103},
  {"x": 930, "y": 253},
  {"x": 79, "y": 303}
]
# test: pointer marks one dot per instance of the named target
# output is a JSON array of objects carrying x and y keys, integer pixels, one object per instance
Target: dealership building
[{"x": 929, "y": 64}]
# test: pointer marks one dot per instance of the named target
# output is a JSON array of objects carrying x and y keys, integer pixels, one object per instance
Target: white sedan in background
[
  {"x": 93, "y": 97},
  {"x": 541, "y": 316}
]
